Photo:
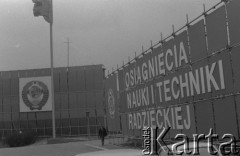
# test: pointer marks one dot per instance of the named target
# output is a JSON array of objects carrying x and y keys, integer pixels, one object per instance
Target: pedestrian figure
[{"x": 102, "y": 132}]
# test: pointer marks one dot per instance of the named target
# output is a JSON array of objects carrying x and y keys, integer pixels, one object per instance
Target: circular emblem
[
  {"x": 111, "y": 103},
  {"x": 35, "y": 95}
]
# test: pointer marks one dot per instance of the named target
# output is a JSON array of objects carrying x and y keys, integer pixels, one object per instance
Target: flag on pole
[{"x": 43, "y": 8}]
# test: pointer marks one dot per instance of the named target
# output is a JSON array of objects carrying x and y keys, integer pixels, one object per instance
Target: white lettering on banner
[
  {"x": 156, "y": 65},
  {"x": 180, "y": 118},
  {"x": 139, "y": 97},
  {"x": 189, "y": 83}
]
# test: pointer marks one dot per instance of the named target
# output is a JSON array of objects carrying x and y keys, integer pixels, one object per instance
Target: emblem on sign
[
  {"x": 111, "y": 103},
  {"x": 35, "y": 95}
]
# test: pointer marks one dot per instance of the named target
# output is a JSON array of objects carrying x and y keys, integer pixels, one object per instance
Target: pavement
[{"x": 76, "y": 148}]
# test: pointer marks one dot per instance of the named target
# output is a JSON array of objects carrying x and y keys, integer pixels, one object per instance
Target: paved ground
[{"x": 80, "y": 148}]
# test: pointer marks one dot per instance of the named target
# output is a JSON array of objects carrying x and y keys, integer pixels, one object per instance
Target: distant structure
[{"x": 79, "y": 92}]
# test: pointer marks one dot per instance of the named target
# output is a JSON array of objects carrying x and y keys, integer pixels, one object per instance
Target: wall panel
[
  {"x": 72, "y": 79},
  {"x": 234, "y": 21},
  {"x": 204, "y": 116},
  {"x": 81, "y": 79},
  {"x": 236, "y": 67},
  {"x": 225, "y": 116},
  {"x": 216, "y": 30},
  {"x": 198, "y": 47}
]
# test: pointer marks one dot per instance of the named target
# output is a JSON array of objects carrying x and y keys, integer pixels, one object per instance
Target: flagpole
[{"x": 52, "y": 80}]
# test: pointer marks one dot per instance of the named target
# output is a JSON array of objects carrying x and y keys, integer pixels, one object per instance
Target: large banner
[
  {"x": 35, "y": 94},
  {"x": 112, "y": 100},
  {"x": 189, "y": 82}
]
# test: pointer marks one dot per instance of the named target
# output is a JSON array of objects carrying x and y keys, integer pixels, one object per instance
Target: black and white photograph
[{"x": 119, "y": 77}]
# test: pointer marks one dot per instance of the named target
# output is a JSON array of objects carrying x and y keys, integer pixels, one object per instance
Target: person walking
[{"x": 102, "y": 133}]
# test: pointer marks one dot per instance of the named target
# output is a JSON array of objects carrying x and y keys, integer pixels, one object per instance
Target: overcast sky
[{"x": 101, "y": 31}]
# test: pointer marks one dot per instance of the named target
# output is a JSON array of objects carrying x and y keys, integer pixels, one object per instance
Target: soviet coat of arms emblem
[
  {"x": 35, "y": 95},
  {"x": 111, "y": 103}
]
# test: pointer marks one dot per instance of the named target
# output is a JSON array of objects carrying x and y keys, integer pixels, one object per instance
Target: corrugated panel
[
  {"x": 58, "y": 122},
  {"x": 65, "y": 125},
  {"x": 73, "y": 101},
  {"x": 40, "y": 123},
  {"x": 1, "y": 86},
  {"x": 56, "y": 80},
  {"x": 81, "y": 80},
  {"x": 74, "y": 131},
  {"x": 32, "y": 124},
  {"x": 74, "y": 113},
  {"x": 42, "y": 72},
  {"x": 41, "y": 132},
  {"x": 16, "y": 125},
  {"x": 225, "y": 116},
  {"x": 90, "y": 111},
  {"x": 49, "y": 131},
  {"x": 6, "y": 86},
  {"x": 23, "y": 116},
  {"x": 100, "y": 120},
  {"x": 90, "y": 100},
  {"x": 64, "y": 114},
  {"x": 31, "y": 116},
  {"x": 74, "y": 121},
  {"x": 90, "y": 83},
  {"x": 14, "y": 83},
  {"x": 100, "y": 112},
  {"x": 23, "y": 73},
  {"x": 99, "y": 74},
  {"x": 64, "y": 101},
  {"x": 81, "y": 100},
  {"x": 57, "y": 101},
  {"x": 99, "y": 104},
  {"x": 236, "y": 67},
  {"x": 15, "y": 116},
  {"x": 31, "y": 73},
  {"x": 58, "y": 114},
  {"x": 7, "y": 104},
  {"x": 198, "y": 48},
  {"x": 82, "y": 121},
  {"x": 93, "y": 130},
  {"x": 92, "y": 121},
  {"x": 234, "y": 21},
  {"x": 204, "y": 116},
  {"x": 8, "y": 125},
  {"x": 48, "y": 123},
  {"x": 44, "y": 115},
  {"x": 72, "y": 79},
  {"x": 24, "y": 124},
  {"x": 83, "y": 130},
  {"x": 63, "y": 80},
  {"x": 82, "y": 112},
  {"x": 1, "y": 119},
  {"x": 15, "y": 103},
  {"x": 1, "y": 104},
  {"x": 216, "y": 30}
]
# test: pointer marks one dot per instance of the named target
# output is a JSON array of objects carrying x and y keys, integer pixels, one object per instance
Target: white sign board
[{"x": 35, "y": 94}]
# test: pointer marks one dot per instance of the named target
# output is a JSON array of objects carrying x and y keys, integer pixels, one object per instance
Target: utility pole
[
  {"x": 68, "y": 46},
  {"x": 68, "y": 42}
]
